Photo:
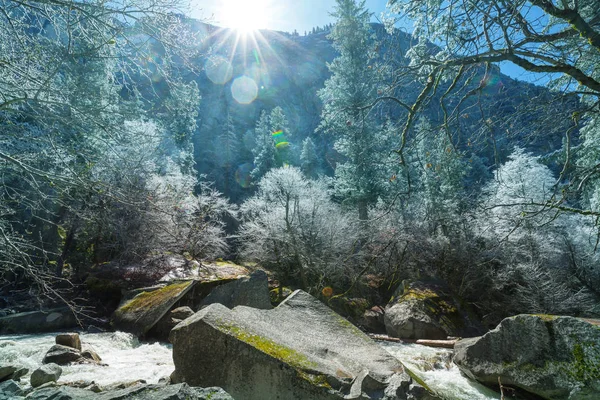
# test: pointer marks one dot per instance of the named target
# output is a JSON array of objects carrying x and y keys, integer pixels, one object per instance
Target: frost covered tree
[
  {"x": 347, "y": 97},
  {"x": 587, "y": 163},
  {"x": 77, "y": 82},
  {"x": 557, "y": 41},
  {"x": 292, "y": 226},
  {"x": 513, "y": 197},
  {"x": 272, "y": 148},
  {"x": 225, "y": 153},
  {"x": 309, "y": 159},
  {"x": 441, "y": 173}
]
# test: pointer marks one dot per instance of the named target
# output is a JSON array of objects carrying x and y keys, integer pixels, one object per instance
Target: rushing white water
[
  {"x": 127, "y": 359},
  {"x": 435, "y": 367}
]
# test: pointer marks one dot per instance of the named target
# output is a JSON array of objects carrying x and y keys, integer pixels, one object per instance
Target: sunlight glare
[{"x": 245, "y": 15}]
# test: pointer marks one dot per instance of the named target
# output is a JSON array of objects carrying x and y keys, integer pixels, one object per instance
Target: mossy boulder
[
  {"x": 427, "y": 310},
  {"x": 555, "y": 358},
  {"x": 140, "y": 313},
  {"x": 301, "y": 350}
]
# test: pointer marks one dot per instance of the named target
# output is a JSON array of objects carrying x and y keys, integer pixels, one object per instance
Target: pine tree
[
  {"x": 361, "y": 176},
  {"x": 225, "y": 152},
  {"x": 309, "y": 159},
  {"x": 272, "y": 148}
]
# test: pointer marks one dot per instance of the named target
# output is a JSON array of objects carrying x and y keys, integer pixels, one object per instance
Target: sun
[{"x": 245, "y": 15}]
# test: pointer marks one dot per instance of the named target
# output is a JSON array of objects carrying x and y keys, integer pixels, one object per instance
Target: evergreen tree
[
  {"x": 347, "y": 96},
  {"x": 442, "y": 170},
  {"x": 272, "y": 148},
  {"x": 264, "y": 149},
  {"x": 226, "y": 145},
  {"x": 309, "y": 159}
]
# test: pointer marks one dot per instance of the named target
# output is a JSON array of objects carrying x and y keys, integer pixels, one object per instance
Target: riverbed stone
[
  {"x": 139, "y": 314},
  {"x": 38, "y": 321},
  {"x": 10, "y": 389},
  {"x": 138, "y": 392},
  {"x": 62, "y": 355},
  {"x": 46, "y": 373},
  {"x": 251, "y": 291},
  {"x": 556, "y": 358},
  {"x": 69, "y": 340},
  {"x": 6, "y": 372},
  {"x": 427, "y": 310},
  {"x": 91, "y": 355},
  {"x": 301, "y": 350}
]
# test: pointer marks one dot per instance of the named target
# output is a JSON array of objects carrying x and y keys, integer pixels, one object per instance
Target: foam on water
[
  {"x": 127, "y": 359},
  {"x": 435, "y": 367}
]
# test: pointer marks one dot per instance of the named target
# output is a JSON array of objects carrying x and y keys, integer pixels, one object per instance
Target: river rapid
[{"x": 129, "y": 360}]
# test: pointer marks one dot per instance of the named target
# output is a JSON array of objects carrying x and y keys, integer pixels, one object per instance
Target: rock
[
  {"x": 10, "y": 389},
  {"x": 205, "y": 272},
  {"x": 168, "y": 322},
  {"x": 182, "y": 313},
  {"x": 139, "y": 392},
  {"x": 38, "y": 321},
  {"x": 11, "y": 372},
  {"x": 140, "y": 313},
  {"x": 426, "y": 310},
  {"x": 552, "y": 357},
  {"x": 62, "y": 355},
  {"x": 46, "y": 373},
  {"x": 91, "y": 355},
  {"x": 373, "y": 320},
  {"x": 6, "y": 372},
  {"x": 69, "y": 340},
  {"x": 252, "y": 291},
  {"x": 301, "y": 350}
]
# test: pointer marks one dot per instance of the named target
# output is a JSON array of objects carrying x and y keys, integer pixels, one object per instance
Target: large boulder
[
  {"x": 69, "y": 340},
  {"x": 138, "y": 392},
  {"x": 140, "y": 313},
  {"x": 38, "y": 321},
  {"x": 552, "y": 357},
  {"x": 62, "y": 355},
  {"x": 426, "y": 310},
  {"x": 46, "y": 373},
  {"x": 301, "y": 350},
  {"x": 251, "y": 291}
]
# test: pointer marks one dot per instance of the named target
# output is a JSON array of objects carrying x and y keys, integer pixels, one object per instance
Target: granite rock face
[
  {"x": 556, "y": 358},
  {"x": 301, "y": 350},
  {"x": 252, "y": 291}
]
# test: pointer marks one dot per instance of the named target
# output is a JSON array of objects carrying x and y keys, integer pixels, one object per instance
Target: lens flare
[
  {"x": 244, "y": 90},
  {"x": 242, "y": 175},
  {"x": 218, "y": 70}
]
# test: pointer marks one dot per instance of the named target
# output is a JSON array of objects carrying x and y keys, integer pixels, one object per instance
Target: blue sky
[
  {"x": 302, "y": 15},
  {"x": 285, "y": 15}
]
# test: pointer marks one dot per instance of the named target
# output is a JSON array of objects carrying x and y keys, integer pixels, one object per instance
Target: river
[{"x": 129, "y": 360}]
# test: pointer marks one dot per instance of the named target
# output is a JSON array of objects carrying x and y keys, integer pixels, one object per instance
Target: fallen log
[{"x": 446, "y": 344}]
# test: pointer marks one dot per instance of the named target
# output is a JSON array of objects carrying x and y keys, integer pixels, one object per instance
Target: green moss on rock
[
  {"x": 149, "y": 300},
  {"x": 268, "y": 346}
]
